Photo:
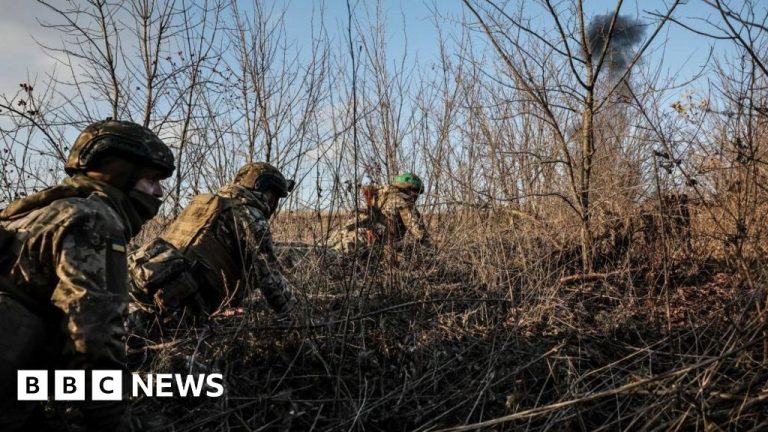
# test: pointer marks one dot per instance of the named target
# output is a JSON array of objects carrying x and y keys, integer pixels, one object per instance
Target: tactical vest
[{"x": 192, "y": 234}]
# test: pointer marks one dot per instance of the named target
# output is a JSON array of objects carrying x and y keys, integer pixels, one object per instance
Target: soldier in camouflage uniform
[
  {"x": 217, "y": 250},
  {"x": 390, "y": 216},
  {"x": 63, "y": 274}
]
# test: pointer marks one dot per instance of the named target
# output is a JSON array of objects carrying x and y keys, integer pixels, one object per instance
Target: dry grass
[{"x": 488, "y": 332}]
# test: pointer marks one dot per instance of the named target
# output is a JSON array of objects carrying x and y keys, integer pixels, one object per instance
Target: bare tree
[{"x": 565, "y": 85}]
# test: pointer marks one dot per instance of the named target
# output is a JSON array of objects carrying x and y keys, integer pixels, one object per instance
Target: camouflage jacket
[
  {"x": 400, "y": 215},
  {"x": 70, "y": 269},
  {"x": 392, "y": 216},
  {"x": 233, "y": 247}
]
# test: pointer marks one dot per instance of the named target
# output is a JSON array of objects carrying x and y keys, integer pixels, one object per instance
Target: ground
[{"x": 446, "y": 340}]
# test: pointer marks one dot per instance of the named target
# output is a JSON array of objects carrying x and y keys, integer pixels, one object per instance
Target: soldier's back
[{"x": 213, "y": 233}]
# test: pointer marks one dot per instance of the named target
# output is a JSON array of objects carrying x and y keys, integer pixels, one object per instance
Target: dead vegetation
[{"x": 493, "y": 331}]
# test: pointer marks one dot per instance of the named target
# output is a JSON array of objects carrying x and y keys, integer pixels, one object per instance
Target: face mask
[{"x": 147, "y": 206}]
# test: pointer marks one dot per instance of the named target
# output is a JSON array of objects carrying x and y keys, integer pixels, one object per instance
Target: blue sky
[
  {"x": 405, "y": 20},
  {"x": 683, "y": 52},
  {"x": 413, "y": 21}
]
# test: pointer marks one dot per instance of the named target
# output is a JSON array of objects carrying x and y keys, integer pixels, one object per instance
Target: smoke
[{"x": 627, "y": 33}]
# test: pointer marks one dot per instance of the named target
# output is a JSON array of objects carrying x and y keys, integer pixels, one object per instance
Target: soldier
[
  {"x": 390, "y": 216},
  {"x": 217, "y": 250},
  {"x": 63, "y": 274}
]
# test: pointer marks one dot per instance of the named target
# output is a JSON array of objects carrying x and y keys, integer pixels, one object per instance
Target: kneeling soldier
[
  {"x": 390, "y": 216},
  {"x": 63, "y": 274},
  {"x": 218, "y": 249}
]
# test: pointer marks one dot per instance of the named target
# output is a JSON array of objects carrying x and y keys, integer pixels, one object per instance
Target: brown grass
[{"x": 492, "y": 330}]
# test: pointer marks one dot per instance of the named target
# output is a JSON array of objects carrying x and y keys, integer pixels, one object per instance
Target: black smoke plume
[{"x": 627, "y": 32}]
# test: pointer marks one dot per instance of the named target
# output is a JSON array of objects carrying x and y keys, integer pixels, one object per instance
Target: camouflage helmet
[
  {"x": 408, "y": 181},
  {"x": 119, "y": 138},
  {"x": 263, "y": 176}
]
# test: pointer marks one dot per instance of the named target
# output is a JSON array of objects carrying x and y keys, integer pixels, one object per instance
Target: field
[{"x": 493, "y": 329}]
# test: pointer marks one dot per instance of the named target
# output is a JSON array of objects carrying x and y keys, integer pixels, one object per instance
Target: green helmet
[
  {"x": 119, "y": 138},
  {"x": 408, "y": 181},
  {"x": 263, "y": 176}
]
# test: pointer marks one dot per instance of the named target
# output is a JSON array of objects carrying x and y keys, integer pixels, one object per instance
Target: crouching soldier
[
  {"x": 389, "y": 218},
  {"x": 217, "y": 251},
  {"x": 63, "y": 274}
]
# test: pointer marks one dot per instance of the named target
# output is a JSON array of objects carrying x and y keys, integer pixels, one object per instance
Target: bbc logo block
[
  {"x": 32, "y": 385},
  {"x": 107, "y": 385},
  {"x": 69, "y": 385}
]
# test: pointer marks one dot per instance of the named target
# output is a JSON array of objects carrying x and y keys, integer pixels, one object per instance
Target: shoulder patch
[{"x": 118, "y": 245}]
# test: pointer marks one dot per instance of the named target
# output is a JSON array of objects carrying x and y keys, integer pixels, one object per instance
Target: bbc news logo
[{"x": 107, "y": 385}]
